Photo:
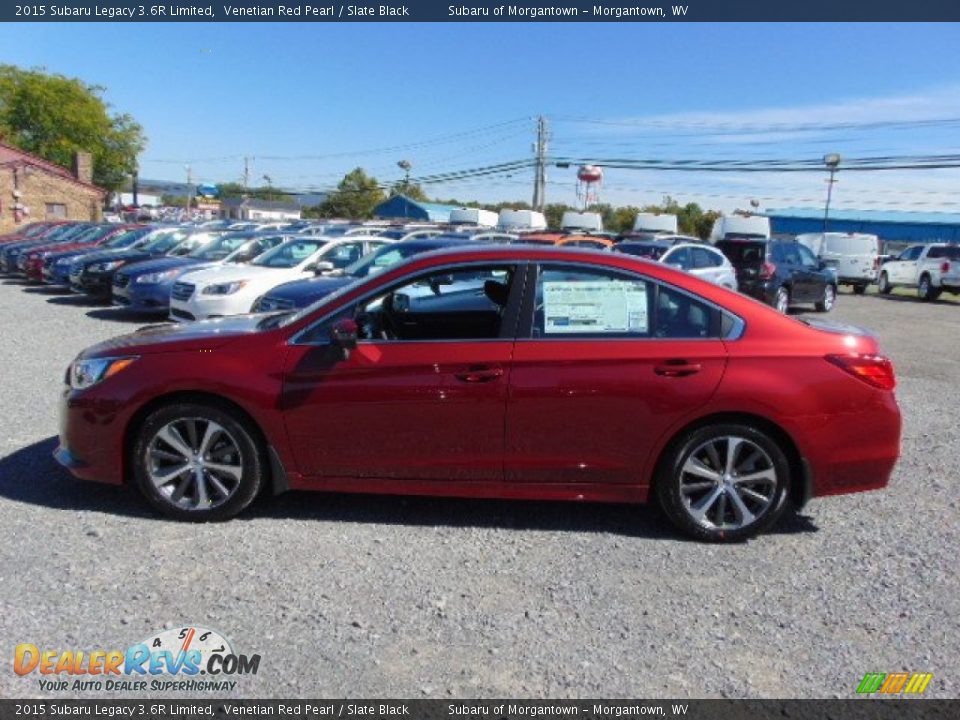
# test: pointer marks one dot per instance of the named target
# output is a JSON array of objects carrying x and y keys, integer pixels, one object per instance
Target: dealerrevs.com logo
[{"x": 183, "y": 659}]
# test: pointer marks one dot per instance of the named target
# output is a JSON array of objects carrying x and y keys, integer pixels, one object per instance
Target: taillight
[
  {"x": 767, "y": 270},
  {"x": 945, "y": 267},
  {"x": 876, "y": 263},
  {"x": 874, "y": 370}
]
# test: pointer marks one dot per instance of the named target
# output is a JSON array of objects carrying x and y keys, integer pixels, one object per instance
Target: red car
[
  {"x": 514, "y": 372},
  {"x": 97, "y": 236}
]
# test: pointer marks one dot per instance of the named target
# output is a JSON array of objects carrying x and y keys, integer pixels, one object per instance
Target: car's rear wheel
[
  {"x": 926, "y": 290},
  {"x": 782, "y": 300},
  {"x": 197, "y": 462},
  {"x": 883, "y": 284},
  {"x": 829, "y": 298},
  {"x": 724, "y": 483}
]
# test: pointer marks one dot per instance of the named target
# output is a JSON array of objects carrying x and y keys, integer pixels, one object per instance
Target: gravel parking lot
[{"x": 371, "y": 596}]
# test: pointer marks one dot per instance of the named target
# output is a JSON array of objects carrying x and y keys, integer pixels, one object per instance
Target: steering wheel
[{"x": 388, "y": 322}]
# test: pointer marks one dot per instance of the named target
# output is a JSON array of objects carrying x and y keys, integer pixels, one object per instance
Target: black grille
[
  {"x": 183, "y": 315},
  {"x": 182, "y": 291}
]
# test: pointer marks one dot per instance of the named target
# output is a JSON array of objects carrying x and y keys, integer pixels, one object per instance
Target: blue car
[
  {"x": 63, "y": 258},
  {"x": 145, "y": 286},
  {"x": 301, "y": 293},
  {"x": 10, "y": 254}
]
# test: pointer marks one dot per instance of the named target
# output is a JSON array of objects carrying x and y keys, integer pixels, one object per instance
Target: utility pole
[
  {"x": 540, "y": 169},
  {"x": 246, "y": 175},
  {"x": 832, "y": 161},
  {"x": 189, "y": 188}
]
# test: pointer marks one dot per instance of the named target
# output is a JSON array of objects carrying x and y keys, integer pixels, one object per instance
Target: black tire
[
  {"x": 672, "y": 480},
  {"x": 781, "y": 301},
  {"x": 925, "y": 289},
  {"x": 241, "y": 435},
  {"x": 859, "y": 289},
  {"x": 883, "y": 284},
  {"x": 829, "y": 299}
]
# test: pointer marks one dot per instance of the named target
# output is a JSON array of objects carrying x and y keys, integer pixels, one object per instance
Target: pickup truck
[{"x": 930, "y": 269}]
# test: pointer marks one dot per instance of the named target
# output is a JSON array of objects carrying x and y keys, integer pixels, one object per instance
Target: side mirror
[
  {"x": 344, "y": 334},
  {"x": 321, "y": 266}
]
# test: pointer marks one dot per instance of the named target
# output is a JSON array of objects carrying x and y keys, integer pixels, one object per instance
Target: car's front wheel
[
  {"x": 724, "y": 483},
  {"x": 197, "y": 462}
]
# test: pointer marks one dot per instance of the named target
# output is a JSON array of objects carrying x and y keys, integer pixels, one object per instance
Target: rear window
[
  {"x": 742, "y": 253},
  {"x": 951, "y": 252},
  {"x": 644, "y": 250}
]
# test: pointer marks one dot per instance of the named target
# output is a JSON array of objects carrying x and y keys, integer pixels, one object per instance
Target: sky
[{"x": 308, "y": 102}]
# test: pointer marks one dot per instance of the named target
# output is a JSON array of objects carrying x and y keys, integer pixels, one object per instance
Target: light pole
[
  {"x": 405, "y": 165},
  {"x": 832, "y": 161}
]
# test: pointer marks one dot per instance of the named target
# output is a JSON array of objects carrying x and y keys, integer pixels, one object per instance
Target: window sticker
[{"x": 617, "y": 306}]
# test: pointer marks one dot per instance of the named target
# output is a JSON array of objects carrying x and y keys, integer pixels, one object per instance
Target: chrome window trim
[{"x": 295, "y": 339}]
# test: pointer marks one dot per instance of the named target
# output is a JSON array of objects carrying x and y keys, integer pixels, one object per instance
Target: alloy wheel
[
  {"x": 728, "y": 483},
  {"x": 829, "y": 296},
  {"x": 783, "y": 301},
  {"x": 194, "y": 463}
]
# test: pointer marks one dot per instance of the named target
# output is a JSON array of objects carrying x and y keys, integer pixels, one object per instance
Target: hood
[
  {"x": 153, "y": 339},
  {"x": 225, "y": 273},
  {"x": 157, "y": 265},
  {"x": 125, "y": 254},
  {"x": 305, "y": 292}
]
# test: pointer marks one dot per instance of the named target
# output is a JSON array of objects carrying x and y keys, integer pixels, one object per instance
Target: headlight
[
  {"x": 101, "y": 267},
  {"x": 84, "y": 373},
  {"x": 224, "y": 288},
  {"x": 157, "y": 277}
]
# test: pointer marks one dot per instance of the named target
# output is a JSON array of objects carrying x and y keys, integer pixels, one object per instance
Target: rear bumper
[{"x": 763, "y": 290}]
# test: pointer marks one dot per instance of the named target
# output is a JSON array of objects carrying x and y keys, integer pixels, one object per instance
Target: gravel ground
[{"x": 377, "y": 597}]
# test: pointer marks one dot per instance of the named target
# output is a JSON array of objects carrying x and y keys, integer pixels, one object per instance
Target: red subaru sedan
[{"x": 511, "y": 372}]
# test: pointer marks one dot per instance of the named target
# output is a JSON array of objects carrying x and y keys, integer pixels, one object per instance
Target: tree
[
  {"x": 554, "y": 214},
  {"x": 409, "y": 190},
  {"x": 356, "y": 196},
  {"x": 236, "y": 190},
  {"x": 54, "y": 116}
]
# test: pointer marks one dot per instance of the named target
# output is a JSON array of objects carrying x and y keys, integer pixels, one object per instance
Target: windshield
[
  {"x": 192, "y": 242},
  {"x": 220, "y": 247},
  {"x": 164, "y": 241},
  {"x": 126, "y": 239},
  {"x": 290, "y": 254},
  {"x": 383, "y": 258}
]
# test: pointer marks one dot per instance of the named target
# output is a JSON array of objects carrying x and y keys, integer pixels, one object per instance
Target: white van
[
  {"x": 855, "y": 257},
  {"x": 655, "y": 223},
  {"x": 521, "y": 220},
  {"x": 582, "y": 221},
  {"x": 473, "y": 216},
  {"x": 744, "y": 226}
]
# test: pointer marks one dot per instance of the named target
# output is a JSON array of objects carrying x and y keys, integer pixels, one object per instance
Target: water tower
[{"x": 589, "y": 180}]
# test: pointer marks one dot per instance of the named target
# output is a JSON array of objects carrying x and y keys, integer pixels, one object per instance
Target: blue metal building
[
  {"x": 400, "y": 207},
  {"x": 889, "y": 225}
]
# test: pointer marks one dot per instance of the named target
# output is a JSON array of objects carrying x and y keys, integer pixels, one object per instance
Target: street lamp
[
  {"x": 405, "y": 166},
  {"x": 832, "y": 161}
]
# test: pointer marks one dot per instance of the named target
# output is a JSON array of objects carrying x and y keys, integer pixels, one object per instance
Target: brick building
[{"x": 33, "y": 189}]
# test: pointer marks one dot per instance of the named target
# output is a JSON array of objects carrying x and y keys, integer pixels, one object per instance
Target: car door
[
  {"x": 423, "y": 394},
  {"x": 605, "y": 363},
  {"x": 708, "y": 264},
  {"x": 678, "y": 257},
  {"x": 815, "y": 279}
]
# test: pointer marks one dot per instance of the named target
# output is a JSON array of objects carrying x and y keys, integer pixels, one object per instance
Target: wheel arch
[
  {"x": 277, "y": 480},
  {"x": 801, "y": 480}
]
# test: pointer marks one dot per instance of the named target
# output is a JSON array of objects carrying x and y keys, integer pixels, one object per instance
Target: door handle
[
  {"x": 479, "y": 373},
  {"x": 677, "y": 368}
]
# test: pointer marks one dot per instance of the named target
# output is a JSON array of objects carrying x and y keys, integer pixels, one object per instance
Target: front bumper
[
  {"x": 91, "y": 433},
  {"x": 97, "y": 285},
  {"x": 142, "y": 298},
  {"x": 201, "y": 307}
]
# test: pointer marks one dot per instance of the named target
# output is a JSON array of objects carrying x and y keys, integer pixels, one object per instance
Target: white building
[{"x": 254, "y": 209}]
